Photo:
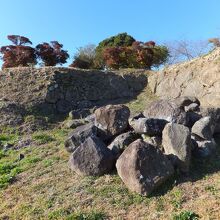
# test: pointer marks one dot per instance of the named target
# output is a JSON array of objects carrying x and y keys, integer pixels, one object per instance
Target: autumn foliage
[
  {"x": 122, "y": 51},
  {"x": 51, "y": 54},
  {"x": 138, "y": 55},
  {"x": 18, "y": 54}
]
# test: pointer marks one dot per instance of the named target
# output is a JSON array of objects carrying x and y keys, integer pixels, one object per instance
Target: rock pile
[{"x": 145, "y": 149}]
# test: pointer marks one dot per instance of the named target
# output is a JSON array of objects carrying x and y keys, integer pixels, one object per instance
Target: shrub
[
  {"x": 51, "y": 54},
  {"x": 85, "y": 57},
  {"x": 18, "y": 54}
]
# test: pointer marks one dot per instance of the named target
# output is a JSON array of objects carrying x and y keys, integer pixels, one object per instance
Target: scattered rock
[
  {"x": 79, "y": 135},
  {"x": 204, "y": 128},
  {"x": 166, "y": 110},
  {"x": 121, "y": 142},
  {"x": 185, "y": 101},
  {"x": 143, "y": 167},
  {"x": 112, "y": 119},
  {"x": 92, "y": 158},
  {"x": 177, "y": 144},
  {"x": 148, "y": 126}
]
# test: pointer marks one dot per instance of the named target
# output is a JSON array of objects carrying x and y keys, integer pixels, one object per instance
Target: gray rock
[
  {"x": 78, "y": 136},
  {"x": 148, "y": 126},
  {"x": 177, "y": 144},
  {"x": 92, "y": 158},
  {"x": 184, "y": 101},
  {"x": 204, "y": 148},
  {"x": 90, "y": 118},
  {"x": 204, "y": 128},
  {"x": 121, "y": 142},
  {"x": 214, "y": 113},
  {"x": 192, "y": 107},
  {"x": 166, "y": 110},
  {"x": 74, "y": 123},
  {"x": 143, "y": 168},
  {"x": 112, "y": 119}
]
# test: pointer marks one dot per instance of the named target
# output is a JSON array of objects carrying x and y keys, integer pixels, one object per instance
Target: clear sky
[{"x": 76, "y": 23}]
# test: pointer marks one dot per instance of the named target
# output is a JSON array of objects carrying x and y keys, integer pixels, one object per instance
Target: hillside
[
  {"x": 35, "y": 180},
  {"x": 199, "y": 77}
]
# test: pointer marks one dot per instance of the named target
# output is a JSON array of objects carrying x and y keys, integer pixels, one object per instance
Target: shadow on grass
[{"x": 200, "y": 168}]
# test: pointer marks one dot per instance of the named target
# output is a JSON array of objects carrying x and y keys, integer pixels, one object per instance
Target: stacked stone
[{"x": 148, "y": 148}]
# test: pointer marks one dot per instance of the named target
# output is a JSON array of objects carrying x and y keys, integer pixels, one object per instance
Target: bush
[
  {"x": 18, "y": 54},
  {"x": 85, "y": 57},
  {"x": 51, "y": 54}
]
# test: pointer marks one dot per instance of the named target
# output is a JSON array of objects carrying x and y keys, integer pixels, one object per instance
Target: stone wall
[
  {"x": 199, "y": 77},
  {"x": 63, "y": 89}
]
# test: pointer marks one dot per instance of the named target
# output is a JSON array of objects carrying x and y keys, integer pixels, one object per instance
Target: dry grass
[{"x": 45, "y": 188}]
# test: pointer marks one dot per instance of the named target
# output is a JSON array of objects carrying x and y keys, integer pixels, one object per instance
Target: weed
[
  {"x": 186, "y": 215},
  {"x": 93, "y": 215}
]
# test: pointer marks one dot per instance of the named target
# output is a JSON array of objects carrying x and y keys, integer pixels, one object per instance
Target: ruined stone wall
[{"x": 64, "y": 89}]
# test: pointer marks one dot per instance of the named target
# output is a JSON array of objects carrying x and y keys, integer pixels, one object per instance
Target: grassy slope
[{"x": 41, "y": 186}]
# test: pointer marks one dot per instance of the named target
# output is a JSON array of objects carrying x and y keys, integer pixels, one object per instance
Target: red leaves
[
  {"x": 19, "y": 40},
  {"x": 139, "y": 55},
  {"x": 51, "y": 54},
  {"x": 18, "y": 54}
]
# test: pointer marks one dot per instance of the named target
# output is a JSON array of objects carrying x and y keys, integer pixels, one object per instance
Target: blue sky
[{"x": 77, "y": 23}]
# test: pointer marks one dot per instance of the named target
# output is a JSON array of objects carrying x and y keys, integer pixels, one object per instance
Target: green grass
[
  {"x": 6, "y": 138},
  {"x": 186, "y": 215},
  {"x": 42, "y": 138}
]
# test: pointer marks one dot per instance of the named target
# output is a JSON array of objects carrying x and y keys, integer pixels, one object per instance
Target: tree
[
  {"x": 85, "y": 57},
  {"x": 119, "y": 40},
  {"x": 138, "y": 55},
  {"x": 160, "y": 55},
  {"x": 18, "y": 54},
  {"x": 185, "y": 50},
  {"x": 52, "y": 54}
]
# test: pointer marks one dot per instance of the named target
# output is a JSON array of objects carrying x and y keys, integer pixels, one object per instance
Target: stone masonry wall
[{"x": 60, "y": 90}]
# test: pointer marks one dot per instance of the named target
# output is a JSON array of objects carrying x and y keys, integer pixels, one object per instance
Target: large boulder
[
  {"x": 204, "y": 128},
  {"x": 79, "y": 135},
  {"x": 166, "y": 110},
  {"x": 142, "y": 167},
  {"x": 177, "y": 144},
  {"x": 122, "y": 141},
  {"x": 92, "y": 158},
  {"x": 148, "y": 126},
  {"x": 112, "y": 119}
]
